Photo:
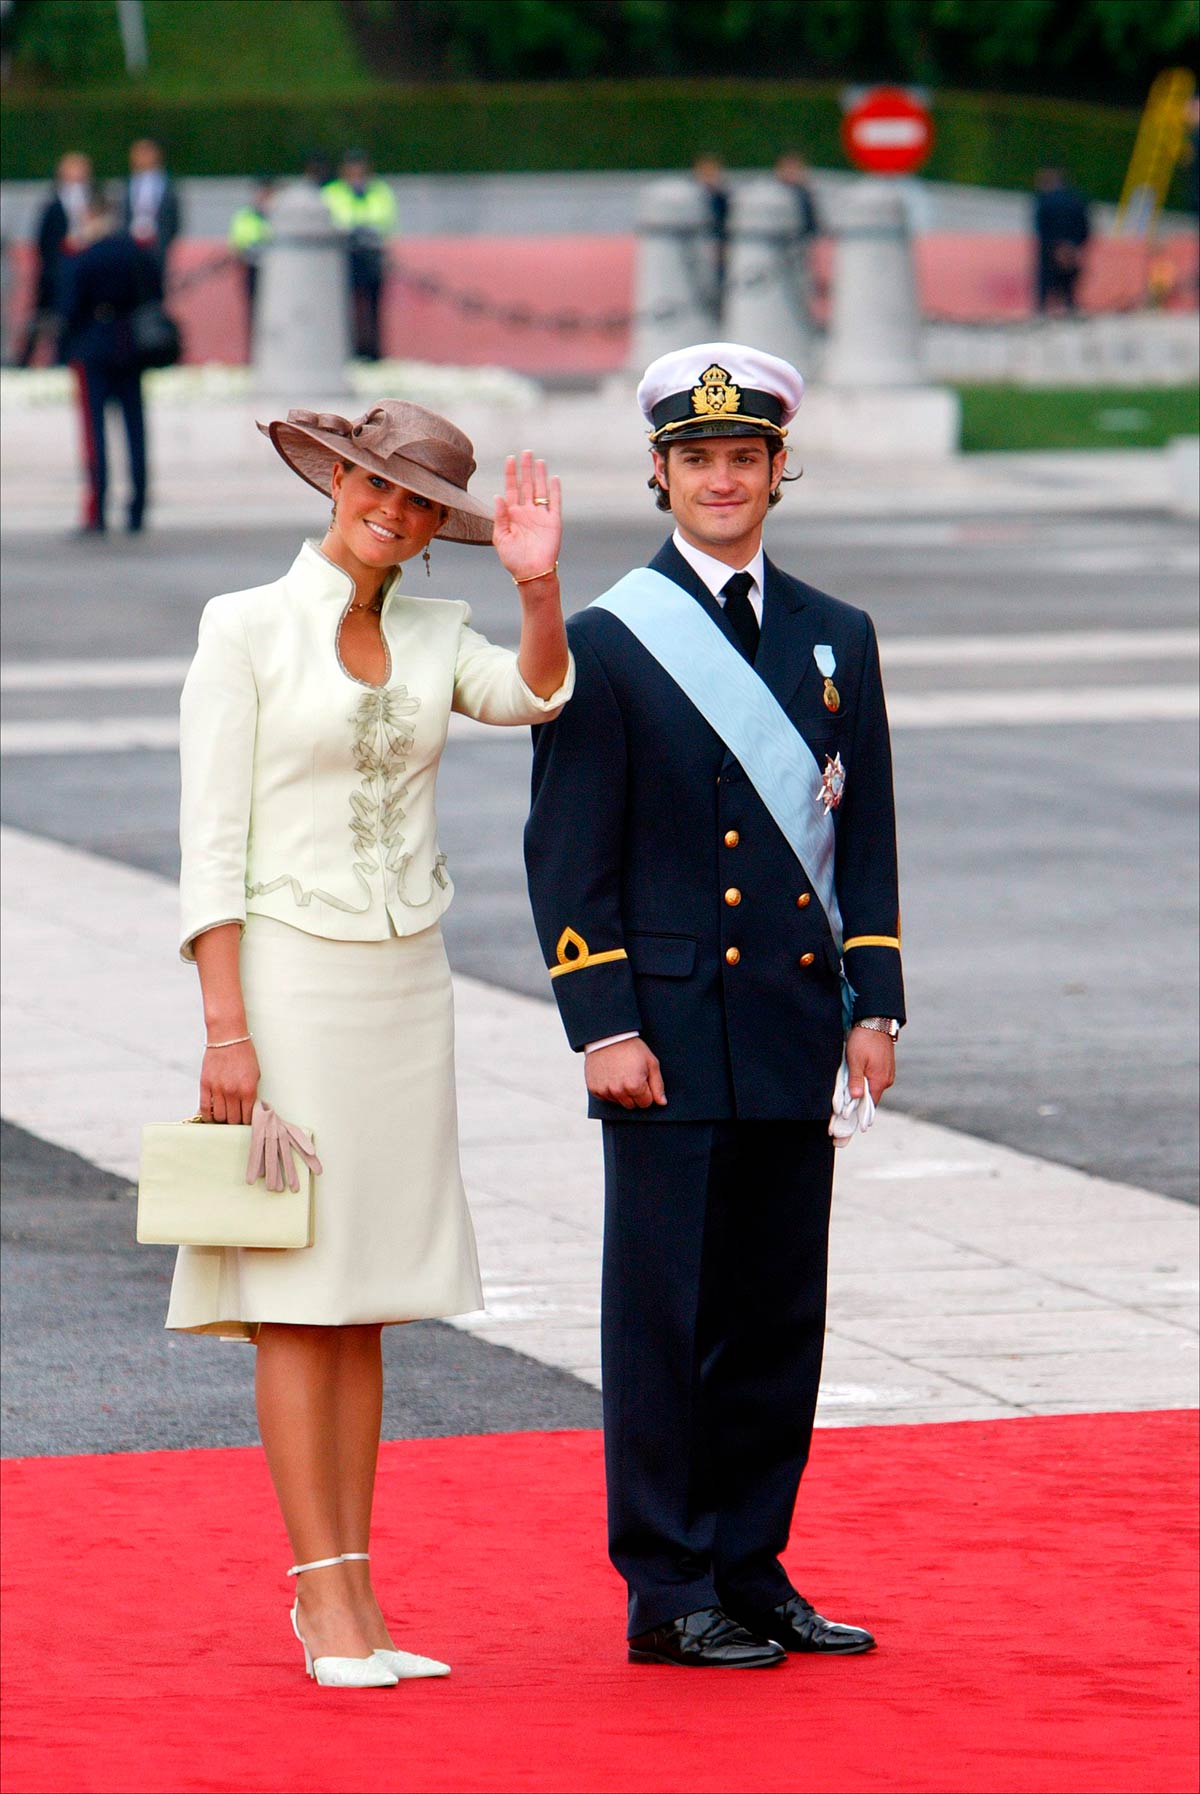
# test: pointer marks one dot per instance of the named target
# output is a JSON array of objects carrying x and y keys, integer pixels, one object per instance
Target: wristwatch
[{"x": 880, "y": 1024}]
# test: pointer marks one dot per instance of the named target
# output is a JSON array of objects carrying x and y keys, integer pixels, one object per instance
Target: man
[
  {"x": 60, "y": 220},
  {"x": 1062, "y": 229},
  {"x": 696, "y": 957},
  {"x": 708, "y": 172},
  {"x": 362, "y": 205},
  {"x": 151, "y": 212},
  {"x": 103, "y": 285}
]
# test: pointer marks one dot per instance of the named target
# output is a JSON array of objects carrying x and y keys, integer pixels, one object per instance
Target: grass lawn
[
  {"x": 213, "y": 48},
  {"x": 1025, "y": 417}
]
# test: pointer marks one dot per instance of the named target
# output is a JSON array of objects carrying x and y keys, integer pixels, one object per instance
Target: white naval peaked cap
[{"x": 719, "y": 389}]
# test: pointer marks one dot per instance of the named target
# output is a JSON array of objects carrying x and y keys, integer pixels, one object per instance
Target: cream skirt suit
[{"x": 308, "y": 818}]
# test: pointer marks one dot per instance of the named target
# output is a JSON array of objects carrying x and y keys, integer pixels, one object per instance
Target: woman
[{"x": 313, "y": 719}]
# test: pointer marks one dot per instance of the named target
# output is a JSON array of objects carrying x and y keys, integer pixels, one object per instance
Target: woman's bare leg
[
  {"x": 359, "y": 1407},
  {"x": 298, "y": 1389}
]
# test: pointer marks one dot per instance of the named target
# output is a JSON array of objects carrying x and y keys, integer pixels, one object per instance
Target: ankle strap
[
  {"x": 318, "y": 1563},
  {"x": 356, "y": 1557}
]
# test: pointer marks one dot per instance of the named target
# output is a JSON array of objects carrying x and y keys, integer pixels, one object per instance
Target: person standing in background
[
  {"x": 151, "y": 213},
  {"x": 249, "y": 231},
  {"x": 791, "y": 171},
  {"x": 361, "y": 204},
  {"x": 61, "y": 219},
  {"x": 102, "y": 286},
  {"x": 708, "y": 172},
  {"x": 1062, "y": 229}
]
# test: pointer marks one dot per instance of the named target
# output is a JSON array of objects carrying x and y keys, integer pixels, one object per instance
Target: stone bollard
[
  {"x": 875, "y": 327},
  {"x": 675, "y": 280},
  {"x": 302, "y": 311},
  {"x": 766, "y": 296}
]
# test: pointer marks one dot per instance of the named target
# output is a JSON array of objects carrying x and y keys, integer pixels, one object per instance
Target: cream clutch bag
[{"x": 213, "y": 1185}]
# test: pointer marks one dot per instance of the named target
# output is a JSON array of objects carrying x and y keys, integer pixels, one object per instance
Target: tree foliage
[
  {"x": 1094, "y": 49},
  {"x": 1085, "y": 49}
]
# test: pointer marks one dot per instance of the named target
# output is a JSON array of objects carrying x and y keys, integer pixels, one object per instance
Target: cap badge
[{"x": 715, "y": 396}]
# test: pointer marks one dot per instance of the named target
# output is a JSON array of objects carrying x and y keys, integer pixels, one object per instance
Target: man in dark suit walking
[
  {"x": 102, "y": 287},
  {"x": 708, "y": 847}
]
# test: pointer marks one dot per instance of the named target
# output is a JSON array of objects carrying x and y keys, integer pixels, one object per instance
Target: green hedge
[{"x": 457, "y": 129}]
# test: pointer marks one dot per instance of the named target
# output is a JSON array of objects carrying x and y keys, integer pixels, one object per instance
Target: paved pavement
[{"x": 966, "y": 1280}]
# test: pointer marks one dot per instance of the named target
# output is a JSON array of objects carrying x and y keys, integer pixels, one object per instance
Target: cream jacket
[{"x": 307, "y": 795}]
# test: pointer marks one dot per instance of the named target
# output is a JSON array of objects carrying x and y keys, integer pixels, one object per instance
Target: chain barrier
[{"x": 569, "y": 321}]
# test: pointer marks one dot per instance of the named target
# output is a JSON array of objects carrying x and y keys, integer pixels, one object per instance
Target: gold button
[
  {"x": 733, "y": 896},
  {"x": 806, "y": 959},
  {"x": 803, "y": 901},
  {"x": 732, "y": 955},
  {"x": 732, "y": 838}
]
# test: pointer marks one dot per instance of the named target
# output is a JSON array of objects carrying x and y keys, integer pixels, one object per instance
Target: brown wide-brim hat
[{"x": 406, "y": 444}]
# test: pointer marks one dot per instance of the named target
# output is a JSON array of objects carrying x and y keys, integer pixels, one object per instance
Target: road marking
[
  {"x": 90, "y": 675},
  {"x": 1037, "y": 649},
  {"x": 1041, "y": 707},
  {"x": 1040, "y": 649}
]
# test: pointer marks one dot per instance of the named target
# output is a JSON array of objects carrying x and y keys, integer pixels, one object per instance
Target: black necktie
[{"x": 740, "y": 612}]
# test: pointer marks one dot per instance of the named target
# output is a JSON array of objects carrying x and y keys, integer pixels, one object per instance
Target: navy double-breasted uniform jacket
[{"x": 666, "y": 899}]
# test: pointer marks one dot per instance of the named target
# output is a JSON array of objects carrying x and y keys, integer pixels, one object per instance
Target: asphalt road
[{"x": 1048, "y": 865}]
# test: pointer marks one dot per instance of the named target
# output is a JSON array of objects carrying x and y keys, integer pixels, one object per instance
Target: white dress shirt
[{"x": 715, "y": 574}]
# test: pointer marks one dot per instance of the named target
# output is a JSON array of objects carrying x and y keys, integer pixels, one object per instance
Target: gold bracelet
[
  {"x": 237, "y": 1041},
  {"x": 530, "y": 577}
]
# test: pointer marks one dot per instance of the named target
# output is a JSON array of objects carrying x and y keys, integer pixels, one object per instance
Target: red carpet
[{"x": 1032, "y": 1583}]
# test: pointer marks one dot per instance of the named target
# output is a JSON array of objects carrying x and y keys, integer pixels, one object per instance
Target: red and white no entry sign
[{"x": 888, "y": 132}]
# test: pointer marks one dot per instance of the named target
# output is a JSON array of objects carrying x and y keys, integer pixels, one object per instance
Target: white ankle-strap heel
[
  {"x": 339, "y": 1672},
  {"x": 406, "y": 1666}
]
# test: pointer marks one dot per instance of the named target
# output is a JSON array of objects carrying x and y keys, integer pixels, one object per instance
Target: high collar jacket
[
  {"x": 666, "y": 898},
  {"x": 308, "y": 795}
]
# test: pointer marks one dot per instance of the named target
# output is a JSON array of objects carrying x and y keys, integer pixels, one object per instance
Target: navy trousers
[
  {"x": 100, "y": 386},
  {"x": 713, "y": 1324}
]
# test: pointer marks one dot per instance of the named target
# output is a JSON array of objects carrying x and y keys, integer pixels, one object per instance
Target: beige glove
[{"x": 273, "y": 1144}]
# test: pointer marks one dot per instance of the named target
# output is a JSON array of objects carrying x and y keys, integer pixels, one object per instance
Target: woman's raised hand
[{"x": 527, "y": 527}]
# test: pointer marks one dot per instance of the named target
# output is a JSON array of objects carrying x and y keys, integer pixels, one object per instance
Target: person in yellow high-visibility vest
[
  {"x": 361, "y": 204},
  {"x": 249, "y": 231}
]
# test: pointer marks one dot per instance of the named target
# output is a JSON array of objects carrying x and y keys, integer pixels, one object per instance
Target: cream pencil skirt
[{"x": 355, "y": 1041}]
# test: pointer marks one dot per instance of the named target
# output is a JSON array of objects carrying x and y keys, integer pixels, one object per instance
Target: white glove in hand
[
  {"x": 273, "y": 1143},
  {"x": 851, "y": 1114}
]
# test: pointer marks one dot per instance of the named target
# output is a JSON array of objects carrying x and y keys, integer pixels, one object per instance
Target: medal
[
  {"x": 833, "y": 782},
  {"x": 826, "y": 665}
]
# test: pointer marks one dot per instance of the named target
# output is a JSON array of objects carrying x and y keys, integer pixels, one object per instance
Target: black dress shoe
[
  {"x": 708, "y": 1639},
  {"x": 797, "y": 1626}
]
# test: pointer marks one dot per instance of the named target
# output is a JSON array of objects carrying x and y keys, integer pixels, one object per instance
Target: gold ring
[{"x": 542, "y": 501}]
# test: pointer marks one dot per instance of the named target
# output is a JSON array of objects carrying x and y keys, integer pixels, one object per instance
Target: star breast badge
[
  {"x": 715, "y": 396},
  {"x": 833, "y": 783}
]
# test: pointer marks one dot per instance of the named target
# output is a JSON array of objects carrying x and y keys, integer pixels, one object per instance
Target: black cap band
[{"x": 752, "y": 407}]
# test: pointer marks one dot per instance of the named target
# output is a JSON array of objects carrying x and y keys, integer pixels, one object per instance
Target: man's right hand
[{"x": 626, "y": 1073}]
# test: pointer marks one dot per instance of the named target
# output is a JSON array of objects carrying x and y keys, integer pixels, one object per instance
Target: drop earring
[
  {"x": 428, "y": 568},
  {"x": 333, "y": 512}
]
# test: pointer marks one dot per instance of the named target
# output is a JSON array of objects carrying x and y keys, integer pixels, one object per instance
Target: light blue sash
[{"x": 733, "y": 700}]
